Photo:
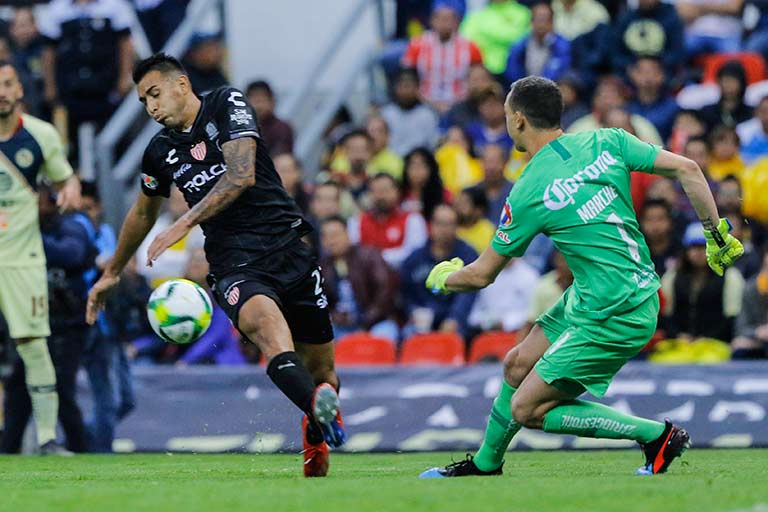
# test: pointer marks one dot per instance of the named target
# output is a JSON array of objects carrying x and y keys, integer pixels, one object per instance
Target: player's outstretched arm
[
  {"x": 452, "y": 276},
  {"x": 722, "y": 248},
  {"x": 140, "y": 219},
  {"x": 240, "y": 159}
]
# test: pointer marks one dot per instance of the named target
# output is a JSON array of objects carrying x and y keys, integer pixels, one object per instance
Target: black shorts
[{"x": 290, "y": 277}]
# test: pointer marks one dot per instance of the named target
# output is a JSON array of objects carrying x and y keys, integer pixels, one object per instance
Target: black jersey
[{"x": 262, "y": 220}]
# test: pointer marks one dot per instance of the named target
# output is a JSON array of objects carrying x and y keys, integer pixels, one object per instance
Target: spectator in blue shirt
[
  {"x": 543, "y": 52},
  {"x": 651, "y": 100},
  {"x": 447, "y": 313},
  {"x": 653, "y": 29},
  {"x": 492, "y": 127}
]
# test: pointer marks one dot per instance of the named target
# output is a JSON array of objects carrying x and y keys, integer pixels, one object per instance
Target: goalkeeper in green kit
[{"x": 575, "y": 189}]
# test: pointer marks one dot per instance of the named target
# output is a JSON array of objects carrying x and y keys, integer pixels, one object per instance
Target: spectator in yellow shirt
[
  {"x": 384, "y": 159},
  {"x": 754, "y": 183},
  {"x": 474, "y": 228},
  {"x": 458, "y": 167},
  {"x": 725, "y": 159}
]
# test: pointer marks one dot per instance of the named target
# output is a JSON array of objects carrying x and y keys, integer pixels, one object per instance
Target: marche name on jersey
[{"x": 561, "y": 192}]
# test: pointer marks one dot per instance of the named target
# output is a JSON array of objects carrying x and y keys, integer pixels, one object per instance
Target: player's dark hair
[
  {"x": 656, "y": 202},
  {"x": 259, "y": 86},
  {"x": 478, "y": 198},
  {"x": 540, "y": 101},
  {"x": 89, "y": 189},
  {"x": 158, "y": 62},
  {"x": 432, "y": 193},
  {"x": 356, "y": 133}
]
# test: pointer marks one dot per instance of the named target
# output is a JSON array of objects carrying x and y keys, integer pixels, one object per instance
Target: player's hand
[
  {"x": 68, "y": 197},
  {"x": 723, "y": 249},
  {"x": 98, "y": 294},
  {"x": 167, "y": 238},
  {"x": 439, "y": 274}
]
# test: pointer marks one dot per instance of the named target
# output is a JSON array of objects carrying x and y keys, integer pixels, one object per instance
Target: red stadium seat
[
  {"x": 753, "y": 63},
  {"x": 494, "y": 344},
  {"x": 362, "y": 348},
  {"x": 433, "y": 348}
]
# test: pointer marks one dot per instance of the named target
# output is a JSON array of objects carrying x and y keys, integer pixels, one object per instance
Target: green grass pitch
[{"x": 705, "y": 481}]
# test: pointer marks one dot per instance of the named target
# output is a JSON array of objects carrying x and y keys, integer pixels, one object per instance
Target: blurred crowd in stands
[{"x": 424, "y": 176}]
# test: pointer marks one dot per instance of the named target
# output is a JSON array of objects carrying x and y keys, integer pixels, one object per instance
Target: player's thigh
[
  {"x": 262, "y": 322},
  {"x": 24, "y": 302}
]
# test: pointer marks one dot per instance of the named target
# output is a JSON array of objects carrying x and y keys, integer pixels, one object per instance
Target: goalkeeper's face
[{"x": 10, "y": 91}]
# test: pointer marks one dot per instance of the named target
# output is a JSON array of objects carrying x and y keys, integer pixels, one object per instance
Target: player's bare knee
[{"x": 516, "y": 367}]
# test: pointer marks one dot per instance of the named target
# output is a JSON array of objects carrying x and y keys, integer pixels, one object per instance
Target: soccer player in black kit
[{"x": 261, "y": 273}]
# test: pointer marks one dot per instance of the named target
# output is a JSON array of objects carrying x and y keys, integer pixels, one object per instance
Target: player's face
[
  {"x": 514, "y": 125},
  {"x": 164, "y": 97},
  {"x": 10, "y": 91}
]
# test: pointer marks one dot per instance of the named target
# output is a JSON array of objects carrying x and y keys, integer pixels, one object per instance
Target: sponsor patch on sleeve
[
  {"x": 501, "y": 235},
  {"x": 149, "y": 181}
]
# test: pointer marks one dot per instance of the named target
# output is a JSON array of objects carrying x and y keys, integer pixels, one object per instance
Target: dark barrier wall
[{"x": 426, "y": 408}]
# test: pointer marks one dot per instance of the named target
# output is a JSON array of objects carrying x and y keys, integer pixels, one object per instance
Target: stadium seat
[
  {"x": 361, "y": 348},
  {"x": 433, "y": 348},
  {"x": 753, "y": 64},
  {"x": 494, "y": 345}
]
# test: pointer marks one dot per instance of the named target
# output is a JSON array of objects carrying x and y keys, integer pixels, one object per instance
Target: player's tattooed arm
[{"x": 240, "y": 159}]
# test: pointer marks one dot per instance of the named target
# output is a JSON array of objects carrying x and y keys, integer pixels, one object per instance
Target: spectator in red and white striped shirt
[{"x": 442, "y": 57}]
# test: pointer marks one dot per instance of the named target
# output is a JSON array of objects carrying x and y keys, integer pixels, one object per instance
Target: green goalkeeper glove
[
  {"x": 440, "y": 272},
  {"x": 723, "y": 249}
]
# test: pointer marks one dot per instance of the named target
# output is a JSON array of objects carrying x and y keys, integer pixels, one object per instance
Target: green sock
[
  {"x": 590, "y": 419},
  {"x": 499, "y": 432}
]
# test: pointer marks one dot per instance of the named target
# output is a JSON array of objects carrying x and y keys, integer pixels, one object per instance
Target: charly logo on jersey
[
  {"x": 506, "y": 214},
  {"x": 196, "y": 182},
  {"x": 560, "y": 192},
  {"x": 171, "y": 159},
  {"x": 149, "y": 181},
  {"x": 24, "y": 157},
  {"x": 198, "y": 151}
]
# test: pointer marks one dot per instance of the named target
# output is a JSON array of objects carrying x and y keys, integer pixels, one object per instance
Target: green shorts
[
  {"x": 24, "y": 301},
  {"x": 586, "y": 354}
]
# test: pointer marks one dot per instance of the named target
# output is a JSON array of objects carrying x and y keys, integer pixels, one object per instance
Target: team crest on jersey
[
  {"x": 24, "y": 157},
  {"x": 149, "y": 181},
  {"x": 506, "y": 215},
  {"x": 198, "y": 151}
]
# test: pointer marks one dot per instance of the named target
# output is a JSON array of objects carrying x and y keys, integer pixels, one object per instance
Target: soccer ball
[{"x": 179, "y": 311}]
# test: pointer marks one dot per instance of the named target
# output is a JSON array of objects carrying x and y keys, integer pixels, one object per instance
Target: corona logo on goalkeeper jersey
[{"x": 560, "y": 193}]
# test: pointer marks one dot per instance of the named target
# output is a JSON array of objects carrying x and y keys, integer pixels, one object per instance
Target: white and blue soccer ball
[{"x": 179, "y": 311}]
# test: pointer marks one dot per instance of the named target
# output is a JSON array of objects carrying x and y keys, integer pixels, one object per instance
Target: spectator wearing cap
[
  {"x": 751, "y": 338},
  {"x": 385, "y": 226},
  {"x": 730, "y": 109},
  {"x": 277, "y": 134},
  {"x": 699, "y": 303},
  {"x": 412, "y": 123},
  {"x": 651, "y": 100},
  {"x": 358, "y": 284},
  {"x": 492, "y": 127},
  {"x": 474, "y": 228},
  {"x": 543, "y": 52},
  {"x": 465, "y": 112},
  {"x": 574, "y": 18},
  {"x": 753, "y": 133},
  {"x": 652, "y": 29},
  {"x": 711, "y": 26},
  {"x": 611, "y": 94},
  {"x": 442, "y": 57},
  {"x": 495, "y": 28}
]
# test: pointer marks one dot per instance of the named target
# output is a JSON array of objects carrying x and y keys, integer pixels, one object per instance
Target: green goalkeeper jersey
[
  {"x": 34, "y": 150},
  {"x": 576, "y": 190}
]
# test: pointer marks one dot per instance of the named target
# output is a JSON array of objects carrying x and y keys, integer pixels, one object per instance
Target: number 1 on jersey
[{"x": 632, "y": 246}]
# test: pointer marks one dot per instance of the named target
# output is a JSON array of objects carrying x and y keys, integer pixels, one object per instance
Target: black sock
[{"x": 292, "y": 378}]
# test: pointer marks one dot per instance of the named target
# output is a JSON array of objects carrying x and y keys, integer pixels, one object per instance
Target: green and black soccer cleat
[
  {"x": 660, "y": 453},
  {"x": 464, "y": 467}
]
